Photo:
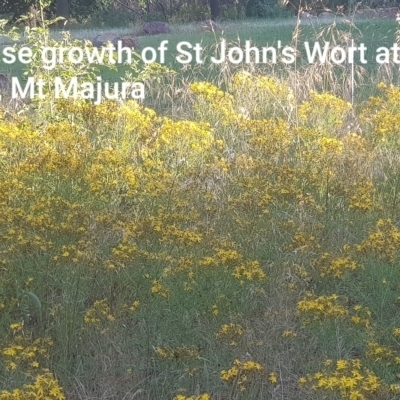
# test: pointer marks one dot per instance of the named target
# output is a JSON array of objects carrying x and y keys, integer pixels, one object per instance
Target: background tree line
[{"x": 124, "y": 11}]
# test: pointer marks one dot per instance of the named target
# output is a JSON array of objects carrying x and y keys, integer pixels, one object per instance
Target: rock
[
  {"x": 306, "y": 15},
  {"x": 326, "y": 15},
  {"x": 366, "y": 13},
  {"x": 155, "y": 28},
  {"x": 130, "y": 41},
  {"x": 103, "y": 38},
  {"x": 390, "y": 13},
  {"x": 210, "y": 26},
  {"x": 381, "y": 13}
]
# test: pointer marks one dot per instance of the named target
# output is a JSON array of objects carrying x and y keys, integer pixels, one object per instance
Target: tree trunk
[
  {"x": 215, "y": 9},
  {"x": 32, "y": 16},
  {"x": 62, "y": 10}
]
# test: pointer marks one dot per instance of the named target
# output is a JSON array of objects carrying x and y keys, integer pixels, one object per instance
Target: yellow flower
[
  {"x": 287, "y": 334},
  {"x": 273, "y": 378},
  {"x": 215, "y": 309},
  {"x": 16, "y": 327}
]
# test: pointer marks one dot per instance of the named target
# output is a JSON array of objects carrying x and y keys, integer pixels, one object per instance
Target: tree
[
  {"x": 62, "y": 10},
  {"x": 16, "y": 8},
  {"x": 215, "y": 9},
  {"x": 28, "y": 9},
  {"x": 82, "y": 9},
  {"x": 259, "y": 8},
  {"x": 79, "y": 9}
]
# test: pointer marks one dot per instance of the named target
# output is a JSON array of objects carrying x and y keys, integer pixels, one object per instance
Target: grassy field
[
  {"x": 373, "y": 33},
  {"x": 240, "y": 241}
]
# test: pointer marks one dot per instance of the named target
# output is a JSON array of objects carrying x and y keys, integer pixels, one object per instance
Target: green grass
[{"x": 260, "y": 32}]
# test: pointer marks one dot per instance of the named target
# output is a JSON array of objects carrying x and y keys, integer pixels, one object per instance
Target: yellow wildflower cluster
[
  {"x": 319, "y": 308},
  {"x": 249, "y": 271},
  {"x": 379, "y": 353},
  {"x": 222, "y": 256},
  {"x": 324, "y": 111},
  {"x": 346, "y": 377},
  {"x": 330, "y": 145},
  {"x": 133, "y": 306},
  {"x": 215, "y": 309},
  {"x": 158, "y": 288},
  {"x": 45, "y": 387},
  {"x": 303, "y": 242},
  {"x": 363, "y": 199},
  {"x": 219, "y": 102},
  {"x": 190, "y": 215},
  {"x": 242, "y": 373},
  {"x": 362, "y": 316},
  {"x": 185, "y": 138},
  {"x": 99, "y": 313},
  {"x": 139, "y": 121},
  {"x": 269, "y": 136},
  {"x": 396, "y": 332},
  {"x": 203, "y": 396},
  {"x": 25, "y": 354},
  {"x": 231, "y": 258},
  {"x": 122, "y": 254},
  {"x": 381, "y": 114},
  {"x": 230, "y": 333},
  {"x": 383, "y": 242},
  {"x": 335, "y": 266},
  {"x": 17, "y": 327}
]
